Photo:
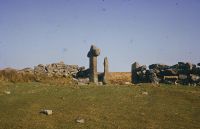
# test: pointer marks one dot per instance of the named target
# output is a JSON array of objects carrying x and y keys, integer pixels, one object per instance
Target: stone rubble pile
[
  {"x": 27, "y": 70},
  {"x": 54, "y": 70},
  {"x": 183, "y": 73}
]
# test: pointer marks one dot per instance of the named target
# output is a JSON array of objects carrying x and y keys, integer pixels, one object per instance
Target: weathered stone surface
[
  {"x": 93, "y": 70},
  {"x": 40, "y": 70},
  {"x": 7, "y": 92},
  {"x": 153, "y": 76},
  {"x": 158, "y": 66},
  {"x": 94, "y": 51},
  {"x": 106, "y": 71},
  {"x": 184, "y": 68},
  {"x": 46, "y": 112},
  {"x": 83, "y": 81},
  {"x": 194, "y": 78},
  {"x": 169, "y": 72},
  {"x": 145, "y": 93},
  {"x": 189, "y": 65},
  {"x": 57, "y": 70},
  {"x": 138, "y": 73},
  {"x": 170, "y": 79},
  {"x": 195, "y": 71},
  {"x": 135, "y": 77},
  {"x": 27, "y": 70},
  {"x": 83, "y": 73},
  {"x": 135, "y": 66},
  {"x": 184, "y": 73},
  {"x": 100, "y": 83},
  {"x": 127, "y": 83},
  {"x": 80, "y": 120},
  {"x": 92, "y": 55},
  {"x": 182, "y": 77}
]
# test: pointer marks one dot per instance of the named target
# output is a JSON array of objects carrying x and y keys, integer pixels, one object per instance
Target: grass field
[{"x": 102, "y": 107}]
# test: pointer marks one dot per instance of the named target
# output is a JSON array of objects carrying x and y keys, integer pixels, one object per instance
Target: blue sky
[{"x": 146, "y": 31}]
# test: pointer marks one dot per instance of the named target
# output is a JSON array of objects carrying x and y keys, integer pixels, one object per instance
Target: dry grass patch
[
  {"x": 119, "y": 77},
  {"x": 14, "y": 76}
]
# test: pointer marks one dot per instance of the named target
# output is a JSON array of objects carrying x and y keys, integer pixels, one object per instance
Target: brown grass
[
  {"x": 119, "y": 77},
  {"x": 12, "y": 75}
]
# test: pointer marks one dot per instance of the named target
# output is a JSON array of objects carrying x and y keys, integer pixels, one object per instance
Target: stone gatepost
[
  {"x": 92, "y": 54},
  {"x": 106, "y": 71},
  {"x": 134, "y": 76}
]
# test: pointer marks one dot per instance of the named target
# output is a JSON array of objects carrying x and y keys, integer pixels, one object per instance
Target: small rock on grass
[
  {"x": 63, "y": 98},
  {"x": 127, "y": 83},
  {"x": 100, "y": 83},
  {"x": 145, "y": 93},
  {"x": 7, "y": 92},
  {"x": 46, "y": 112},
  {"x": 80, "y": 120}
]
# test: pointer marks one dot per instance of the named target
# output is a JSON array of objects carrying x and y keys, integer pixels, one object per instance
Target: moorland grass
[{"x": 102, "y": 107}]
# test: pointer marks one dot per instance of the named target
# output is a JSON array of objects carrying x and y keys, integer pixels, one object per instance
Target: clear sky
[{"x": 146, "y": 31}]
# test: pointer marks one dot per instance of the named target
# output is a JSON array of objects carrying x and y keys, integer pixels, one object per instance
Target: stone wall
[
  {"x": 50, "y": 72},
  {"x": 57, "y": 70},
  {"x": 183, "y": 73}
]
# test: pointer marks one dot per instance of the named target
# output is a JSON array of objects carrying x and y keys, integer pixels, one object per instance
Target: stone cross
[
  {"x": 106, "y": 71},
  {"x": 92, "y": 54}
]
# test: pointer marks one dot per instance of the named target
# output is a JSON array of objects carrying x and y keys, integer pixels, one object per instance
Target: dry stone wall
[
  {"x": 183, "y": 73},
  {"x": 57, "y": 70}
]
